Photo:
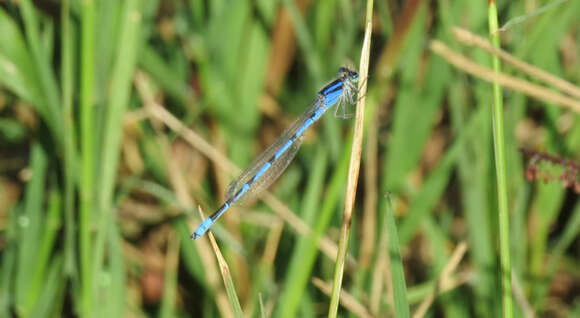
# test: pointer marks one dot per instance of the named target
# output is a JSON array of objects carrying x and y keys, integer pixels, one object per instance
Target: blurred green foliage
[{"x": 99, "y": 196}]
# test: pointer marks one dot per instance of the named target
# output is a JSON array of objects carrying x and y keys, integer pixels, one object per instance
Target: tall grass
[
  {"x": 119, "y": 120},
  {"x": 500, "y": 171}
]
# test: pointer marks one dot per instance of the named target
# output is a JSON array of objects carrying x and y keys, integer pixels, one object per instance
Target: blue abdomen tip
[{"x": 202, "y": 228}]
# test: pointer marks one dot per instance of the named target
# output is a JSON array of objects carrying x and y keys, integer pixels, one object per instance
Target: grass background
[{"x": 99, "y": 187}]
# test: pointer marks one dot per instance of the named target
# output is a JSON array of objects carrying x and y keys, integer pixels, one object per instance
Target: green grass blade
[
  {"x": 52, "y": 297},
  {"x": 46, "y": 77},
  {"x": 397, "y": 271},
  {"x": 120, "y": 93},
  {"x": 87, "y": 134},
  {"x": 70, "y": 154},
  {"x": 52, "y": 225},
  {"x": 115, "y": 291},
  {"x": 261, "y": 306},
  {"x": 31, "y": 223},
  {"x": 119, "y": 99},
  {"x": 17, "y": 69},
  {"x": 500, "y": 166},
  {"x": 9, "y": 263}
]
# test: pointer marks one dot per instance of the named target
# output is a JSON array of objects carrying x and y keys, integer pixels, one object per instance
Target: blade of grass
[
  {"x": 52, "y": 225},
  {"x": 354, "y": 166},
  {"x": 67, "y": 79},
  {"x": 9, "y": 262},
  {"x": 87, "y": 180},
  {"x": 52, "y": 297},
  {"x": 500, "y": 166},
  {"x": 120, "y": 93},
  {"x": 109, "y": 17},
  {"x": 47, "y": 39},
  {"x": 396, "y": 260},
  {"x": 46, "y": 78},
  {"x": 120, "y": 89},
  {"x": 261, "y": 305},
  {"x": 17, "y": 68},
  {"x": 113, "y": 301},
  {"x": 30, "y": 223}
]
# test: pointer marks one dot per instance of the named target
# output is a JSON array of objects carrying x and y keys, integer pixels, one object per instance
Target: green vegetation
[{"x": 121, "y": 120}]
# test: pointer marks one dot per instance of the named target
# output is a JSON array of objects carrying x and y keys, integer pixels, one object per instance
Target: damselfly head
[{"x": 349, "y": 74}]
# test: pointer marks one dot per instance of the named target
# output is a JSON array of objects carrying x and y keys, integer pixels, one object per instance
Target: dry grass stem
[
  {"x": 516, "y": 84},
  {"x": 353, "y": 168},
  {"x": 472, "y": 39}
]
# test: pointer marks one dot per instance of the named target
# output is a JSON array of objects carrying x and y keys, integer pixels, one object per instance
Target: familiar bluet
[{"x": 273, "y": 161}]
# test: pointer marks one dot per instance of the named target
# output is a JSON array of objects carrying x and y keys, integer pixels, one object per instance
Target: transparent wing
[
  {"x": 272, "y": 174},
  {"x": 346, "y": 99},
  {"x": 277, "y": 167}
]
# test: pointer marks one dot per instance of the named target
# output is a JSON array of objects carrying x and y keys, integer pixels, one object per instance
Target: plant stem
[
  {"x": 500, "y": 169},
  {"x": 87, "y": 151},
  {"x": 354, "y": 166}
]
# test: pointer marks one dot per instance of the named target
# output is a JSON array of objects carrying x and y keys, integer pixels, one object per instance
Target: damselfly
[{"x": 273, "y": 161}]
